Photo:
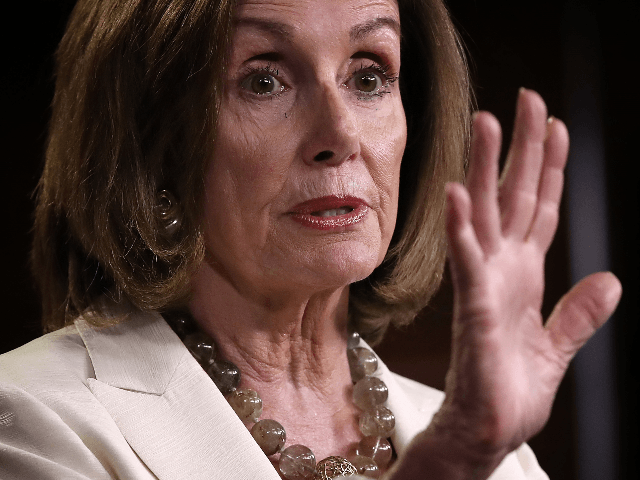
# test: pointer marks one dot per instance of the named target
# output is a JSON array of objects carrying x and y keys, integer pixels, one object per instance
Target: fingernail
[
  {"x": 550, "y": 121},
  {"x": 521, "y": 92}
]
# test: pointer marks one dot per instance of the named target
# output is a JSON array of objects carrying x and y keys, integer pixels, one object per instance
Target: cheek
[
  {"x": 231, "y": 174},
  {"x": 246, "y": 169},
  {"x": 387, "y": 140},
  {"x": 244, "y": 180}
]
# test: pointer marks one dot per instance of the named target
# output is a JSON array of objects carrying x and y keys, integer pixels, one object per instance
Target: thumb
[{"x": 584, "y": 309}]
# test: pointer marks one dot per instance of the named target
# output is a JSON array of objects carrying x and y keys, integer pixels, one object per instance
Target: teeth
[{"x": 334, "y": 212}]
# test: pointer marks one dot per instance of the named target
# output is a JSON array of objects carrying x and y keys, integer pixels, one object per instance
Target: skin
[
  {"x": 274, "y": 294},
  {"x": 506, "y": 362}
]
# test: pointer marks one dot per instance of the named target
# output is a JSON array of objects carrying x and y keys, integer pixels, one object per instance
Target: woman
[{"x": 268, "y": 172}]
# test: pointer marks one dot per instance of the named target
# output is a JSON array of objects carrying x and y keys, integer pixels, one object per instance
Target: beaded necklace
[{"x": 297, "y": 462}]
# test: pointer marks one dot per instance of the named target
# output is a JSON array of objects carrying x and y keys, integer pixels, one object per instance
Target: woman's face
[{"x": 302, "y": 190}]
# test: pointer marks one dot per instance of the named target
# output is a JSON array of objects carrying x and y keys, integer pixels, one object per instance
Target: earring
[{"x": 168, "y": 212}]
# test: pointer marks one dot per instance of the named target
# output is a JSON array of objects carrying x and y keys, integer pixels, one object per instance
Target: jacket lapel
[
  {"x": 174, "y": 417},
  {"x": 165, "y": 405},
  {"x": 413, "y": 412}
]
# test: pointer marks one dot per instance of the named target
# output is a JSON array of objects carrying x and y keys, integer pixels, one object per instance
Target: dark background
[{"x": 510, "y": 44}]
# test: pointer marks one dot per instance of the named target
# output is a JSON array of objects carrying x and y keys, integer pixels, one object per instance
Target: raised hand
[{"x": 506, "y": 361}]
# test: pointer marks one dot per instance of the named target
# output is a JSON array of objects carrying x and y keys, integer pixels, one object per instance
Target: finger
[
  {"x": 482, "y": 180},
  {"x": 465, "y": 253},
  {"x": 582, "y": 311},
  {"x": 519, "y": 186},
  {"x": 556, "y": 149}
]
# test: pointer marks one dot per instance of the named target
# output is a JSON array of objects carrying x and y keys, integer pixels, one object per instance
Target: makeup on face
[
  {"x": 310, "y": 137},
  {"x": 330, "y": 212}
]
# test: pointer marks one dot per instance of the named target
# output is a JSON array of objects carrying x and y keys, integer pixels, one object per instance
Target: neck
[
  {"x": 293, "y": 353},
  {"x": 275, "y": 337}
]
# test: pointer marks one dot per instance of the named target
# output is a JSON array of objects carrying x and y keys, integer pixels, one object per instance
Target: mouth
[
  {"x": 334, "y": 212},
  {"x": 330, "y": 212}
]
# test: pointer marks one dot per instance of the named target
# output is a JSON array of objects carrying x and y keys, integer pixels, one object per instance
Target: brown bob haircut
[{"x": 138, "y": 85}]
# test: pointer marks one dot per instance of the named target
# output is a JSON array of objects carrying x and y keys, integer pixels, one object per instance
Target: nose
[{"x": 333, "y": 131}]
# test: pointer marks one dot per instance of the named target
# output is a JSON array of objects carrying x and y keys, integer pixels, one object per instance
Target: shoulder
[
  {"x": 48, "y": 417},
  {"x": 50, "y": 373},
  {"x": 58, "y": 360},
  {"x": 51, "y": 423}
]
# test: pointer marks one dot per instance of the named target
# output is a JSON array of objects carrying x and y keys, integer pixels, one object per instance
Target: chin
[{"x": 345, "y": 265}]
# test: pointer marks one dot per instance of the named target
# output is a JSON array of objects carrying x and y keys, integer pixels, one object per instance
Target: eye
[
  {"x": 263, "y": 82},
  {"x": 367, "y": 82},
  {"x": 371, "y": 81}
]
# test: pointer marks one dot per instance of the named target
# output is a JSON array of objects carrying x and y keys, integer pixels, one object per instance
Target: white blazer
[{"x": 130, "y": 402}]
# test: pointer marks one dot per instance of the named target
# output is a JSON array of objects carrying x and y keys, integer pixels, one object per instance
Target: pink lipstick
[{"x": 326, "y": 213}]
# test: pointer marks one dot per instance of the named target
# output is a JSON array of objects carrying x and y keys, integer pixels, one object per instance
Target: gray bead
[
  {"x": 246, "y": 403},
  {"x": 365, "y": 466},
  {"x": 269, "y": 435},
  {"x": 297, "y": 462},
  {"x": 202, "y": 347},
  {"x": 377, "y": 448},
  {"x": 225, "y": 375},
  {"x": 181, "y": 323},
  {"x": 362, "y": 362},
  {"x": 353, "y": 340},
  {"x": 378, "y": 422},
  {"x": 369, "y": 392}
]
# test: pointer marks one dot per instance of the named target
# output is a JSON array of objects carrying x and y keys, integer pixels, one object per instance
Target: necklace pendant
[{"x": 332, "y": 467}]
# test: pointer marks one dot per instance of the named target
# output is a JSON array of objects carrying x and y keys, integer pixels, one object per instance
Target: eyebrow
[
  {"x": 360, "y": 31},
  {"x": 356, "y": 33},
  {"x": 281, "y": 29}
]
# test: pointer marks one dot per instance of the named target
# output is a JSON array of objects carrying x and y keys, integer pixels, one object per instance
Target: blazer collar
[
  {"x": 140, "y": 353},
  {"x": 413, "y": 413},
  {"x": 166, "y": 406},
  {"x": 174, "y": 417}
]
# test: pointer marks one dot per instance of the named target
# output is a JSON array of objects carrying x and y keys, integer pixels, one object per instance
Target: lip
[{"x": 305, "y": 212}]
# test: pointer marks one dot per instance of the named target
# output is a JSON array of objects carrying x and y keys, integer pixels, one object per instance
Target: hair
[{"x": 138, "y": 86}]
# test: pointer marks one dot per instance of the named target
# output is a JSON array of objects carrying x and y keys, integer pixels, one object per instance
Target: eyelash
[
  {"x": 385, "y": 72},
  {"x": 388, "y": 77},
  {"x": 268, "y": 68},
  {"x": 265, "y": 68}
]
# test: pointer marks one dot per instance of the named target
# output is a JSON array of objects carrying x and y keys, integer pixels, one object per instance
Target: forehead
[{"x": 300, "y": 16}]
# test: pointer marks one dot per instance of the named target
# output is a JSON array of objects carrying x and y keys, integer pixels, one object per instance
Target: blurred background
[{"x": 580, "y": 56}]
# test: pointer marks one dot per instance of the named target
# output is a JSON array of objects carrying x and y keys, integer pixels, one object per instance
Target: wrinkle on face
[{"x": 261, "y": 166}]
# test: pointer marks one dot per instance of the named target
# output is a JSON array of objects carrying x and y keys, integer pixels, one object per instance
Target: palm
[
  {"x": 503, "y": 362},
  {"x": 506, "y": 363}
]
